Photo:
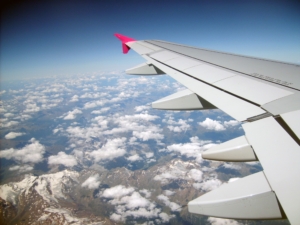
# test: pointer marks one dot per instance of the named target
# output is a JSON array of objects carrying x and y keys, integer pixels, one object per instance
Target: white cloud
[
  {"x": 130, "y": 203},
  {"x": 231, "y": 123},
  {"x": 190, "y": 150},
  {"x": 63, "y": 159},
  {"x": 165, "y": 217},
  {"x": 31, "y": 153},
  {"x": 231, "y": 166},
  {"x": 94, "y": 104},
  {"x": 21, "y": 169},
  {"x": 212, "y": 125},
  {"x": 135, "y": 157},
  {"x": 179, "y": 126},
  {"x": 141, "y": 108},
  {"x": 176, "y": 170},
  {"x": 112, "y": 149},
  {"x": 117, "y": 191},
  {"x": 9, "y": 124},
  {"x": 31, "y": 108},
  {"x": 168, "y": 192},
  {"x": 139, "y": 124},
  {"x": 149, "y": 154},
  {"x": 102, "y": 110},
  {"x": 93, "y": 95},
  {"x": 72, "y": 114},
  {"x": 8, "y": 114},
  {"x": 147, "y": 135},
  {"x": 92, "y": 182},
  {"x": 208, "y": 185},
  {"x": 165, "y": 177},
  {"x": 12, "y": 135},
  {"x": 74, "y": 98},
  {"x": 219, "y": 221},
  {"x": 196, "y": 174},
  {"x": 172, "y": 205}
]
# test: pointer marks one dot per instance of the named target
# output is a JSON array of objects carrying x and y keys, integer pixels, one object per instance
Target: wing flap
[{"x": 279, "y": 155}]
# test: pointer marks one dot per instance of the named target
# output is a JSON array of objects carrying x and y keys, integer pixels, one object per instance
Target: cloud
[
  {"x": 9, "y": 124},
  {"x": 165, "y": 217},
  {"x": 172, "y": 205},
  {"x": 72, "y": 114},
  {"x": 117, "y": 191},
  {"x": 196, "y": 174},
  {"x": 139, "y": 124},
  {"x": 168, "y": 192},
  {"x": 141, "y": 108},
  {"x": 147, "y": 135},
  {"x": 92, "y": 182},
  {"x": 212, "y": 125},
  {"x": 231, "y": 166},
  {"x": 8, "y": 114},
  {"x": 31, "y": 108},
  {"x": 135, "y": 157},
  {"x": 112, "y": 149},
  {"x": 179, "y": 126},
  {"x": 177, "y": 170},
  {"x": 21, "y": 169},
  {"x": 208, "y": 185},
  {"x": 12, "y": 135},
  {"x": 31, "y": 153},
  {"x": 74, "y": 98},
  {"x": 94, "y": 104},
  {"x": 165, "y": 177},
  {"x": 102, "y": 110},
  {"x": 231, "y": 123},
  {"x": 130, "y": 203},
  {"x": 149, "y": 155},
  {"x": 2, "y": 92},
  {"x": 63, "y": 159},
  {"x": 219, "y": 221},
  {"x": 93, "y": 95},
  {"x": 190, "y": 150}
]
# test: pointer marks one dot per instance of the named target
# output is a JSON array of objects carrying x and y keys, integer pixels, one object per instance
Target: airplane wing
[{"x": 264, "y": 95}]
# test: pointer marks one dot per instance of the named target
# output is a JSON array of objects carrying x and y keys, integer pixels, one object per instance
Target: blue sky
[{"x": 59, "y": 38}]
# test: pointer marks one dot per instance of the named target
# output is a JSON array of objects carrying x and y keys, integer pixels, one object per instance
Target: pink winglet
[{"x": 124, "y": 40}]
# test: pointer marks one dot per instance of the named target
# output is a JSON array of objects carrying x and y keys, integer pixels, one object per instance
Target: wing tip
[{"x": 124, "y": 40}]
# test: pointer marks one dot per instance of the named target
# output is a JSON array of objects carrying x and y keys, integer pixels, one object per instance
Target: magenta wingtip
[{"x": 124, "y": 40}]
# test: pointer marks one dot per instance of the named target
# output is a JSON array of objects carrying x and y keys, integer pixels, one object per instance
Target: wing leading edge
[{"x": 262, "y": 94}]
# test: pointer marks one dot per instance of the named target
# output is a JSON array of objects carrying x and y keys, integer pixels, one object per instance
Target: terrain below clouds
[{"x": 91, "y": 150}]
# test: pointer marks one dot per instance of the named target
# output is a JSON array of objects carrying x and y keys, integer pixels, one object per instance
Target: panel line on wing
[
  {"x": 240, "y": 72},
  {"x": 237, "y": 96}
]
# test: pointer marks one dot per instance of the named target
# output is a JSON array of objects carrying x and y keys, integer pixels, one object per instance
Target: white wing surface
[{"x": 262, "y": 94}]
